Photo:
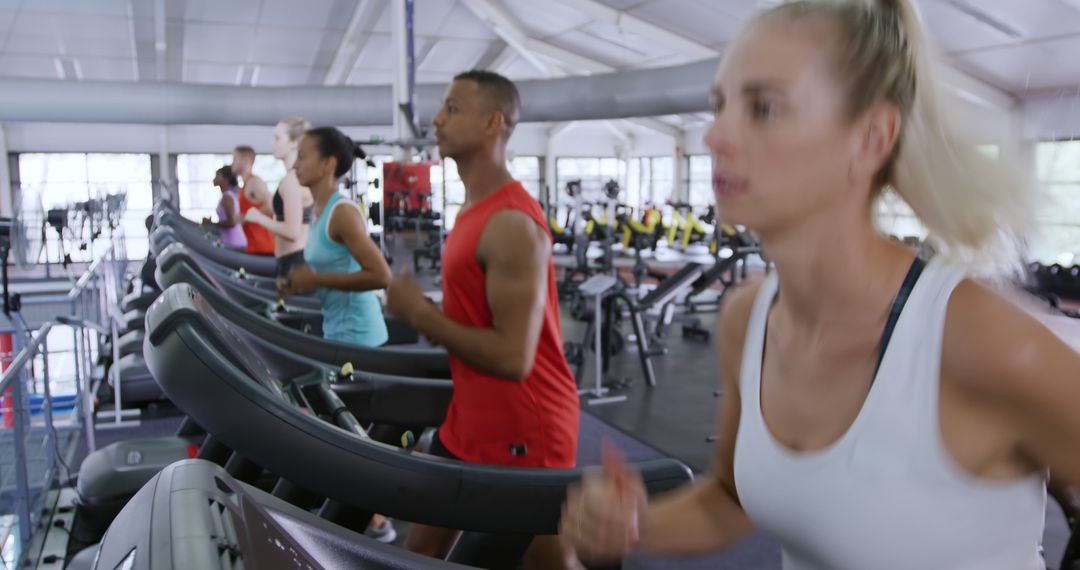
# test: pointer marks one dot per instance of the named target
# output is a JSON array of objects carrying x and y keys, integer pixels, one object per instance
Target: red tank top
[
  {"x": 259, "y": 239},
  {"x": 530, "y": 423}
]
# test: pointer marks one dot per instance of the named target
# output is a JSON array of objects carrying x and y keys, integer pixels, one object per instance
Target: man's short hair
[
  {"x": 245, "y": 150},
  {"x": 500, "y": 92}
]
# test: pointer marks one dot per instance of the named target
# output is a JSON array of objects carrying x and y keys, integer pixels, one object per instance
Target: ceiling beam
[
  {"x": 557, "y": 130},
  {"x": 174, "y": 41},
  {"x": 492, "y": 55},
  {"x": 643, "y": 28},
  {"x": 657, "y": 125},
  {"x": 161, "y": 44},
  {"x": 505, "y": 56},
  {"x": 330, "y": 42},
  {"x": 423, "y": 53},
  {"x": 977, "y": 91},
  {"x": 356, "y": 36},
  {"x": 511, "y": 32},
  {"x": 625, "y": 136},
  {"x": 567, "y": 59},
  {"x": 141, "y": 21}
]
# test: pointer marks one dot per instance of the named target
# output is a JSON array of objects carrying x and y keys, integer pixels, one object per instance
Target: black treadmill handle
[{"x": 339, "y": 413}]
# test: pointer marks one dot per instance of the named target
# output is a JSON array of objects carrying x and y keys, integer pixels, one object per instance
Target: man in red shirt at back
[{"x": 515, "y": 401}]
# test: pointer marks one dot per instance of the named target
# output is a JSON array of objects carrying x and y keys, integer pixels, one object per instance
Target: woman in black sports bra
[{"x": 292, "y": 202}]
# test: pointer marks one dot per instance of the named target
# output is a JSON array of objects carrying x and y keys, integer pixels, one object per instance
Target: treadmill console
[{"x": 194, "y": 515}]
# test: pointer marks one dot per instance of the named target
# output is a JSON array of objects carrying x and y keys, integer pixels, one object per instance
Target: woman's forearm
[
  {"x": 358, "y": 281},
  {"x": 699, "y": 519}
]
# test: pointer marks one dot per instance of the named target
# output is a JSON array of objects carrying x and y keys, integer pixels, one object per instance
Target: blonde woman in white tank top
[{"x": 858, "y": 440}]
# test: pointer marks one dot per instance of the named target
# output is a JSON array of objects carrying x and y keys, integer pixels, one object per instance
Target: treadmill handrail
[
  {"x": 331, "y": 462},
  {"x": 385, "y": 360}
]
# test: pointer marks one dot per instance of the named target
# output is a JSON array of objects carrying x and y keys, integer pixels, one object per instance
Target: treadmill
[
  {"x": 176, "y": 266},
  {"x": 299, "y": 430},
  {"x": 194, "y": 515},
  {"x": 196, "y": 238}
]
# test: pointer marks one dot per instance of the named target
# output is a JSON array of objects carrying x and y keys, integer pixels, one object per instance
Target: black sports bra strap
[{"x": 898, "y": 306}]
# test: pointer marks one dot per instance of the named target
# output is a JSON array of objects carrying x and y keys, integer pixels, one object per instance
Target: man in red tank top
[
  {"x": 253, "y": 194},
  {"x": 515, "y": 400}
]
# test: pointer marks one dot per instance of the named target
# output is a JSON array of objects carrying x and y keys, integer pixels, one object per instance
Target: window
[
  {"x": 700, "y": 181},
  {"x": 594, "y": 173},
  {"x": 526, "y": 169},
  {"x": 895, "y": 217},
  {"x": 63, "y": 179},
  {"x": 1058, "y": 168},
  {"x": 195, "y": 180},
  {"x": 452, "y": 185}
]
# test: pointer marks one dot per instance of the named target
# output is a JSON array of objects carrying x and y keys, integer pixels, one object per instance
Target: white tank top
[{"x": 887, "y": 494}]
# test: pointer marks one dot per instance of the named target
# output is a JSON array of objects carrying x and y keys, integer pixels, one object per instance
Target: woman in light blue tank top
[{"x": 344, "y": 266}]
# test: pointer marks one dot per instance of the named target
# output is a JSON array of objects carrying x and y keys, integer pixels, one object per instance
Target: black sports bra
[{"x": 279, "y": 209}]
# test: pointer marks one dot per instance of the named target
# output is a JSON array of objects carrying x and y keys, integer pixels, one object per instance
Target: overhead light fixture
[{"x": 978, "y": 14}]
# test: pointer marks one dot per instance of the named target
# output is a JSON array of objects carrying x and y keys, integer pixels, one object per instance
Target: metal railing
[
  {"x": 25, "y": 503},
  {"x": 33, "y": 431}
]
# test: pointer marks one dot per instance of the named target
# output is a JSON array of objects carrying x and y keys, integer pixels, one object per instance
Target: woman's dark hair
[
  {"x": 227, "y": 173},
  {"x": 331, "y": 142}
]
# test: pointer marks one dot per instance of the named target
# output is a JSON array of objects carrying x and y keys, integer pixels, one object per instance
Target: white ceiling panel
[
  {"x": 546, "y": 19},
  {"x": 436, "y": 76},
  {"x": 40, "y": 44},
  {"x": 95, "y": 7},
  {"x": 108, "y": 46},
  {"x": 666, "y": 61},
  {"x": 1033, "y": 18},
  {"x": 216, "y": 43},
  {"x": 463, "y": 24},
  {"x": 290, "y": 46},
  {"x": 1032, "y": 67},
  {"x": 305, "y": 14},
  {"x": 955, "y": 31},
  {"x": 93, "y": 27},
  {"x": 453, "y": 55},
  {"x": 12, "y": 65},
  {"x": 703, "y": 22},
  {"x": 378, "y": 53},
  {"x": 280, "y": 76},
  {"x": 429, "y": 16},
  {"x": 737, "y": 10},
  {"x": 362, "y": 76},
  {"x": 217, "y": 73},
  {"x": 233, "y": 12},
  {"x": 35, "y": 23},
  {"x": 10, "y": 5},
  {"x": 101, "y": 69},
  {"x": 623, "y": 4},
  {"x": 6, "y": 19}
]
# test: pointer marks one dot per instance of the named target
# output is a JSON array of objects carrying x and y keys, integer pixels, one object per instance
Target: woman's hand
[
  {"x": 601, "y": 518},
  {"x": 301, "y": 280}
]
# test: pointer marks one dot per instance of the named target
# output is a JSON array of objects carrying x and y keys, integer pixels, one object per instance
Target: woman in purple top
[{"x": 228, "y": 210}]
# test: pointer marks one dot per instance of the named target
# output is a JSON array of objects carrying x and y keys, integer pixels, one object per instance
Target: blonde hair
[
  {"x": 977, "y": 209},
  {"x": 295, "y": 127}
]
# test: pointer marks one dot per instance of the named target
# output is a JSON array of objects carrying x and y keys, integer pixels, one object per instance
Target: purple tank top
[{"x": 234, "y": 236}]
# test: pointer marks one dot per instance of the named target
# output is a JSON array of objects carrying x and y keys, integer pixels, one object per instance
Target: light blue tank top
[{"x": 348, "y": 316}]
